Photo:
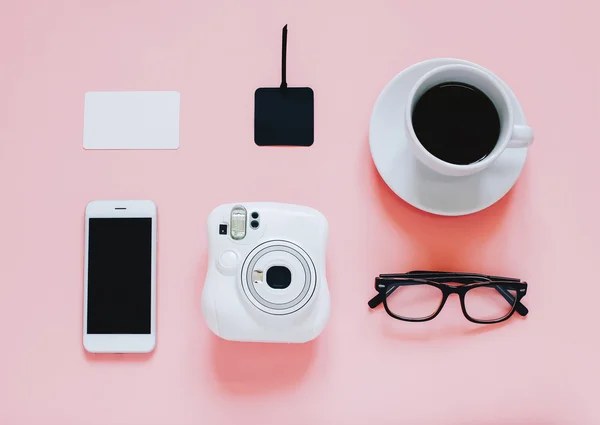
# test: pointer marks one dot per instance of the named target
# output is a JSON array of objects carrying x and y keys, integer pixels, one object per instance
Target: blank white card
[{"x": 131, "y": 120}]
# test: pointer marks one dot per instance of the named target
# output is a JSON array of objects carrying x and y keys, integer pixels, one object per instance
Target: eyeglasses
[{"x": 419, "y": 295}]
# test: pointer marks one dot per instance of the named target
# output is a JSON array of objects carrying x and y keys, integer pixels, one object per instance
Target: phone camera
[
  {"x": 254, "y": 224},
  {"x": 279, "y": 277},
  {"x": 254, "y": 215}
]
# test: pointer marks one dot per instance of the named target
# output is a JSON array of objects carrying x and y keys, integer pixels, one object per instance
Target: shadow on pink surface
[
  {"x": 444, "y": 243},
  {"x": 257, "y": 368},
  {"x": 440, "y": 330},
  {"x": 117, "y": 357}
]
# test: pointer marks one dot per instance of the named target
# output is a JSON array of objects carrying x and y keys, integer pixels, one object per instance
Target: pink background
[{"x": 365, "y": 367}]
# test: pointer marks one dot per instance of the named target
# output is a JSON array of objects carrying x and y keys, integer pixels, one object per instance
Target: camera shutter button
[{"x": 227, "y": 262}]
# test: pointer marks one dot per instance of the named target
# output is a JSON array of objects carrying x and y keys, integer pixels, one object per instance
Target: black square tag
[{"x": 284, "y": 116}]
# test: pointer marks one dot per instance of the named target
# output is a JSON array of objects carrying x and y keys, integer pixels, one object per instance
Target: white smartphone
[{"x": 119, "y": 307}]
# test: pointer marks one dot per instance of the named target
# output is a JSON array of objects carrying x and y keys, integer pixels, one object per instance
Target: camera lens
[
  {"x": 254, "y": 215},
  {"x": 254, "y": 224},
  {"x": 279, "y": 277}
]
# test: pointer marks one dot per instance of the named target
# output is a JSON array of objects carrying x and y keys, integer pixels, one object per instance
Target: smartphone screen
[{"x": 119, "y": 276}]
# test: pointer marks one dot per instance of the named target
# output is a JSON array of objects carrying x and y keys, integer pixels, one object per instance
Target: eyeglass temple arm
[
  {"x": 520, "y": 308},
  {"x": 431, "y": 273},
  {"x": 378, "y": 299}
]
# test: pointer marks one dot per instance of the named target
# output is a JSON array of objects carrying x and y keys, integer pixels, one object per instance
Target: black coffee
[{"x": 456, "y": 122}]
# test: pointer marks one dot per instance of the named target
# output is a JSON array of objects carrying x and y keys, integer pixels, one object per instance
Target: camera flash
[{"x": 238, "y": 223}]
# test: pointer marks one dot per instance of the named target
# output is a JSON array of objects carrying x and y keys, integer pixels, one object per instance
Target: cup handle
[{"x": 522, "y": 137}]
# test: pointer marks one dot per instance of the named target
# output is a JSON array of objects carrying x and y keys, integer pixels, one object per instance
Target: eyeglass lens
[
  {"x": 415, "y": 301},
  {"x": 486, "y": 304}
]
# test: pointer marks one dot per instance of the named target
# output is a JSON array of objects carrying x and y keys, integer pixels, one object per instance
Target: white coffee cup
[{"x": 511, "y": 135}]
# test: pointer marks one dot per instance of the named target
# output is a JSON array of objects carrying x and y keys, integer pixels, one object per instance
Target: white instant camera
[{"x": 266, "y": 273}]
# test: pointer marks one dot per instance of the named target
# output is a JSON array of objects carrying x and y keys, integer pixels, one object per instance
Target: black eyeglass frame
[{"x": 386, "y": 284}]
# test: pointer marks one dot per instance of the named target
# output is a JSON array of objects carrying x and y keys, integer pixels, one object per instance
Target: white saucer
[{"x": 414, "y": 182}]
